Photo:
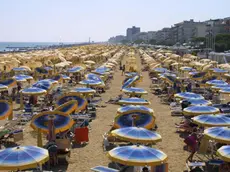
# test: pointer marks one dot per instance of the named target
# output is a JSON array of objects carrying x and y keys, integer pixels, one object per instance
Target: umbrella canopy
[
  {"x": 19, "y": 69},
  {"x": 212, "y": 120},
  {"x": 197, "y": 75},
  {"x": 188, "y": 95},
  {"x": 41, "y": 70},
  {"x": 6, "y": 109},
  {"x": 43, "y": 84},
  {"x": 132, "y": 108},
  {"x": 62, "y": 122},
  {"x": 75, "y": 69},
  {"x": 199, "y": 102},
  {"x": 225, "y": 91},
  {"x": 137, "y": 155},
  {"x": 68, "y": 107},
  {"x": 20, "y": 79},
  {"x": 27, "y": 77},
  {"x": 92, "y": 76},
  {"x": 52, "y": 81},
  {"x": 134, "y": 90},
  {"x": 216, "y": 82},
  {"x": 137, "y": 135},
  {"x": 57, "y": 78},
  {"x": 160, "y": 70},
  {"x": 188, "y": 69},
  {"x": 82, "y": 102},
  {"x": 220, "y": 87},
  {"x": 199, "y": 110},
  {"x": 133, "y": 101},
  {"x": 65, "y": 77},
  {"x": 22, "y": 157},
  {"x": 9, "y": 82},
  {"x": 3, "y": 87},
  {"x": 218, "y": 70},
  {"x": 138, "y": 119},
  {"x": 33, "y": 91},
  {"x": 131, "y": 81},
  {"x": 224, "y": 153},
  {"x": 89, "y": 82},
  {"x": 219, "y": 134},
  {"x": 83, "y": 90},
  {"x": 131, "y": 74}
]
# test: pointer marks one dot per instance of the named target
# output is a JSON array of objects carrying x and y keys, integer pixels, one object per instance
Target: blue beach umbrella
[
  {"x": 160, "y": 70},
  {"x": 9, "y": 82},
  {"x": 68, "y": 107},
  {"x": 43, "y": 84},
  {"x": 133, "y": 101},
  {"x": 33, "y": 91},
  {"x": 199, "y": 102},
  {"x": 22, "y": 157},
  {"x": 57, "y": 78},
  {"x": 218, "y": 70},
  {"x": 219, "y": 134},
  {"x": 83, "y": 90},
  {"x": 3, "y": 87},
  {"x": 224, "y": 153},
  {"x": 19, "y": 69},
  {"x": 48, "y": 68},
  {"x": 6, "y": 109},
  {"x": 132, "y": 108},
  {"x": 131, "y": 81},
  {"x": 216, "y": 82},
  {"x": 92, "y": 76},
  {"x": 188, "y": 69},
  {"x": 197, "y": 75},
  {"x": 65, "y": 77},
  {"x": 212, "y": 120},
  {"x": 137, "y": 155},
  {"x": 199, "y": 110},
  {"x": 134, "y": 90},
  {"x": 82, "y": 102},
  {"x": 137, "y": 135},
  {"x": 188, "y": 95},
  {"x": 52, "y": 81},
  {"x": 138, "y": 119},
  {"x": 20, "y": 79},
  {"x": 75, "y": 69},
  {"x": 62, "y": 122},
  {"x": 88, "y": 82},
  {"x": 41, "y": 70},
  {"x": 131, "y": 74},
  {"x": 225, "y": 91},
  {"x": 221, "y": 86},
  {"x": 27, "y": 77}
]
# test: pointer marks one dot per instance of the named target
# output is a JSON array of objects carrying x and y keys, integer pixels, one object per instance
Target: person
[
  {"x": 19, "y": 87},
  {"x": 189, "y": 87},
  {"x": 185, "y": 104},
  {"x": 170, "y": 68},
  {"x": 192, "y": 143},
  {"x": 145, "y": 169},
  {"x": 178, "y": 88},
  {"x": 123, "y": 70}
]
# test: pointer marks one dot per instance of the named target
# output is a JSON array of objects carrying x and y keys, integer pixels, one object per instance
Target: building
[
  {"x": 132, "y": 31},
  {"x": 117, "y": 39},
  {"x": 151, "y": 35},
  {"x": 163, "y": 35}
]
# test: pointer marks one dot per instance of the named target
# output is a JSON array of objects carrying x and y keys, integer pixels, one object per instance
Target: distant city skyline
[{"x": 76, "y": 21}]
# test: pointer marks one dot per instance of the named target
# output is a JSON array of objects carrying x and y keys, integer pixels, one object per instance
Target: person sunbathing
[{"x": 111, "y": 100}]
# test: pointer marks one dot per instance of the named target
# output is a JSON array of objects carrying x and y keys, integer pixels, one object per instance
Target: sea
[{"x": 15, "y": 45}]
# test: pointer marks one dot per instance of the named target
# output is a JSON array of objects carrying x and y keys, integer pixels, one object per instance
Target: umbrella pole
[
  {"x": 10, "y": 116},
  {"x": 51, "y": 129},
  {"x": 21, "y": 101},
  {"x": 39, "y": 138}
]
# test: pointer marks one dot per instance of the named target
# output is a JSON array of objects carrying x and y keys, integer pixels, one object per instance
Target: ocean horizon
[{"x": 4, "y": 45}]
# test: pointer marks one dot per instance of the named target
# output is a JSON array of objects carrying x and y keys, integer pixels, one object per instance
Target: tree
[
  {"x": 222, "y": 42},
  {"x": 139, "y": 41},
  {"x": 152, "y": 41},
  {"x": 125, "y": 41}
]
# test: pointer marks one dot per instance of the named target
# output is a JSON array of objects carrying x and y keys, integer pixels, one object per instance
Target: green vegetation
[{"x": 222, "y": 42}]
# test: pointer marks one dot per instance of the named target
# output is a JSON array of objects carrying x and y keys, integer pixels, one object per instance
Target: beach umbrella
[
  {"x": 216, "y": 82},
  {"x": 170, "y": 78},
  {"x": 6, "y": 109},
  {"x": 41, "y": 70},
  {"x": 132, "y": 108},
  {"x": 224, "y": 153},
  {"x": 138, "y": 119},
  {"x": 75, "y": 69},
  {"x": 83, "y": 90},
  {"x": 133, "y": 101},
  {"x": 22, "y": 157},
  {"x": 43, "y": 84},
  {"x": 101, "y": 70},
  {"x": 48, "y": 68},
  {"x": 20, "y": 79},
  {"x": 136, "y": 135},
  {"x": 130, "y": 81},
  {"x": 219, "y": 71},
  {"x": 57, "y": 78},
  {"x": 220, "y": 87},
  {"x": 92, "y": 76},
  {"x": 137, "y": 155},
  {"x": 27, "y": 77},
  {"x": 19, "y": 69},
  {"x": 225, "y": 91},
  {"x": 89, "y": 82},
  {"x": 33, "y": 91},
  {"x": 199, "y": 110},
  {"x": 198, "y": 102},
  {"x": 9, "y": 82},
  {"x": 131, "y": 74},
  {"x": 219, "y": 134},
  {"x": 68, "y": 107},
  {"x": 197, "y": 75},
  {"x": 186, "y": 69},
  {"x": 134, "y": 90},
  {"x": 61, "y": 121},
  {"x": 3, "y": 87},
  {"x": 160, "y": 70},
  {"x": 65, "y": 77},
  {"x": 188, "y": 95},
  {"x": 52, "y": 81},
  {"x": 212, "y": 120},
  {"x": 82, "y": 102}
]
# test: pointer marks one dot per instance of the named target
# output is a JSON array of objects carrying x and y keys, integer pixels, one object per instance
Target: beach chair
[
  {"x": 196, "y": 165},
  {"x": 176, "y": 109},
  {"x": 103, "y": 169}
]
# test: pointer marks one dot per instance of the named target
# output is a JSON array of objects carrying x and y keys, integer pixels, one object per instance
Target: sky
[{"x": 77, "y": 20}]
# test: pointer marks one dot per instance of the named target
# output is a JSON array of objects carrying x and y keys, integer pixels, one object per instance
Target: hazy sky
[{"x": 77, "y": 20}]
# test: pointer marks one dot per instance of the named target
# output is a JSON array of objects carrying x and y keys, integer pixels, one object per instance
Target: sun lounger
[
  {"x": 192, "y": 165},
  {"x": 103, "y": 169}
]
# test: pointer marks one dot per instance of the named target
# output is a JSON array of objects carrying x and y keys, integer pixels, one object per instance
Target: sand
[{"x": 92, "y": 154}]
